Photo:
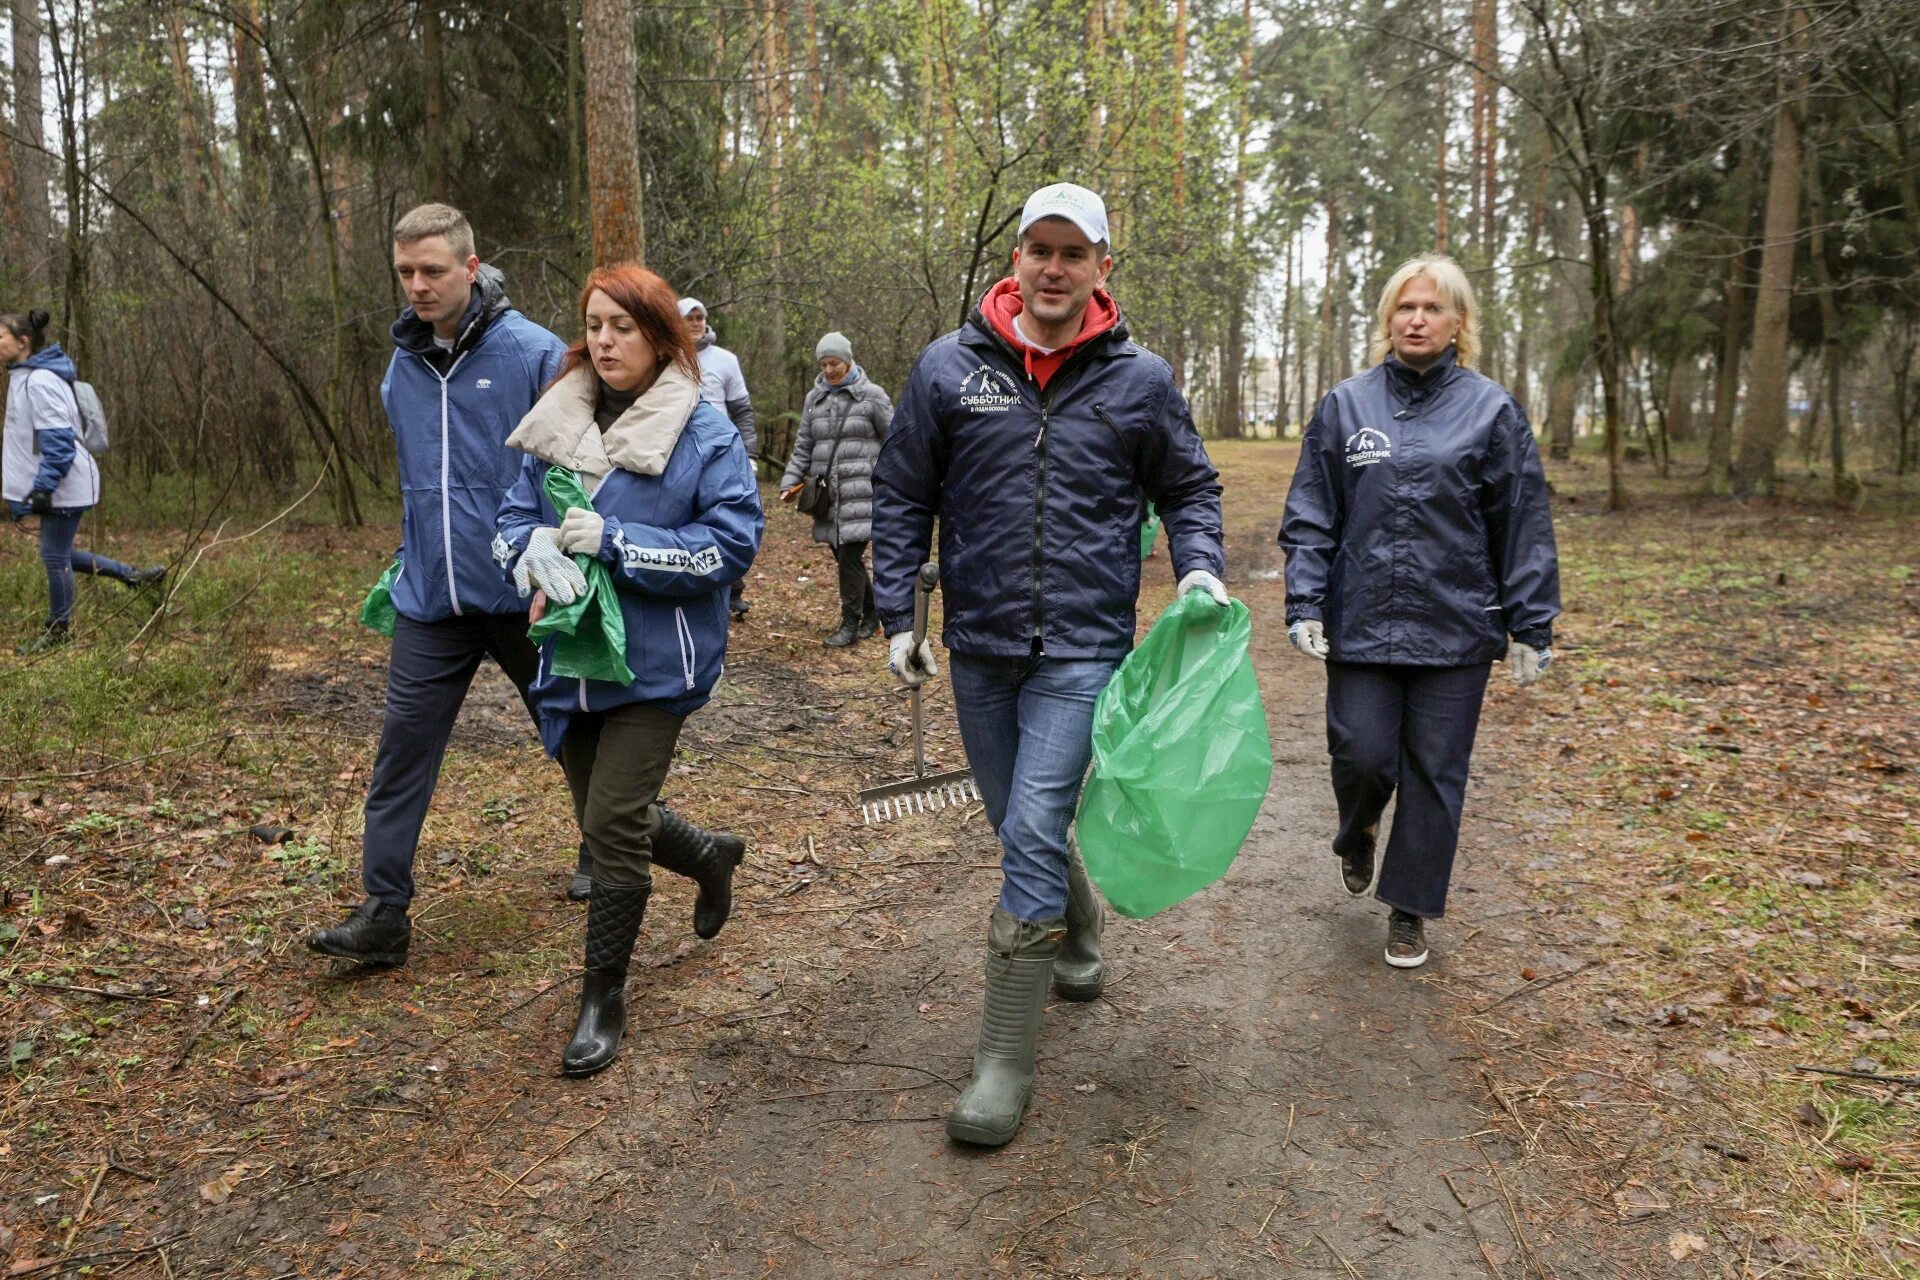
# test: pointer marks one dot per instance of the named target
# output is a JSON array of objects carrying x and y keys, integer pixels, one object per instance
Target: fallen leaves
[
  {"x": 216, "y": 1190},
  {"x": 1684, "y": 1244}
]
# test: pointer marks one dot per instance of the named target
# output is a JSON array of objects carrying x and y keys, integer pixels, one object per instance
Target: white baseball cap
[
  {"x": 1076, "y": 204},
  {"x": 691, "y": 304}
]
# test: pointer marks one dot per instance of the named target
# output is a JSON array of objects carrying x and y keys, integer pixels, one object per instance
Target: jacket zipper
[
  {"x": 446, "y": 501},
  {"x": 1039, "y": 509},
  {"x": 683, "y": 632}
]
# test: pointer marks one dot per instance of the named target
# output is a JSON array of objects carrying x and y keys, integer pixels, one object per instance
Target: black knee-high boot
[
  {"x": 614, "y": 913},
  {"x": 706, "y": 857}
]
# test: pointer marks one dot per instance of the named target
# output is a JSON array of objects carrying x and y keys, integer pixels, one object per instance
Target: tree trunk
[
  {"x": 613, "y": 140},
  {"x": 1232, "y": 420},
  {"x": 1486, "y": 66},
  {"x": 1682, "y": 378},
  {"x": 30, "y": 157},
  {"x": 1832, "y": 355},
  {"x": 1763, "y": 424},
  {"x": 433, "y": 145},
  {"x": 12, "y": 244},
  {"x": 70, "y": 100}
]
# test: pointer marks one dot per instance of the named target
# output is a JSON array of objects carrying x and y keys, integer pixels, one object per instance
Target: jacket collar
[
  {"x": 1415, "y": 386},
  {"x": 560, "y": 428},
  {"x": 53, "y": 360}
]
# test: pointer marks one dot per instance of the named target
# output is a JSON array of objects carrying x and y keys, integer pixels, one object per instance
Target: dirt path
[{"x": 1256, "y": 1094}]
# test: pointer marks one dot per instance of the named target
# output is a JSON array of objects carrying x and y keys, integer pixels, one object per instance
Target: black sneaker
[
  {"x": 375, "y": 934},
  {"x": 869, "y": 626},
  {"x": 739, "y": 608},
  {"x": 1406, "y": 940},
  {"x": 151, "y": 583},
  {"x": 1356, "y": 867},
  {"x": 845, "y": 636}
]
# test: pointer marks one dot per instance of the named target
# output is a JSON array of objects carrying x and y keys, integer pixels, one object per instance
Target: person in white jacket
[{"x": 47, "y": 471}]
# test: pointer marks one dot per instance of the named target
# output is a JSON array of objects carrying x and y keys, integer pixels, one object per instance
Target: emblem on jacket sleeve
[
  {"x": 502, "y": 551},
  {"x": 1368, "y": 446},
  {"x": 988, "y": 390}
]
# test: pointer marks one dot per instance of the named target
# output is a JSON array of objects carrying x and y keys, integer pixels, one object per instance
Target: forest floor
[{"x": 1688, "y": 870}]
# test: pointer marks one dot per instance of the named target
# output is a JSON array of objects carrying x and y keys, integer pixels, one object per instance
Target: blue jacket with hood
[
  {"x": 1417, "y": 530},
  {"x": 672, "y": 479},
  {"x": 451, "y": 413},
  {"x": 1039, "y": 492}
]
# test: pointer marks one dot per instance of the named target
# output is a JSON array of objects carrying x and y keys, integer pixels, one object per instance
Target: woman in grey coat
[{"x": 842, "y": 423}]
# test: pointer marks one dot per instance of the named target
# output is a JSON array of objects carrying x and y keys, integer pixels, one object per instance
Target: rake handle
[{"x": 923, "y": 584}]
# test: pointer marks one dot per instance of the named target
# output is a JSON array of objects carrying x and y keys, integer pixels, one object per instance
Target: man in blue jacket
[
  {"x": 466, "y": 368},
  {"x": 1036, "y": 433}
]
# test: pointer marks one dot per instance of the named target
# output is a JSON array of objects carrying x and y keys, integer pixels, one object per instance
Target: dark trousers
[
  {"x": 1410, "y": 729},
  {"x": 427, "y": 677},
  {"x": 856, "y": 585},
  {"x": 616, "y": 762}
]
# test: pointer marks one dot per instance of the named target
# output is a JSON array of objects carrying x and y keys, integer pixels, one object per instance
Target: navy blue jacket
[
  {"x": 674, "y": 543},
  {"x": 451, "y": 414},
  {"x": 1417, "y": 530},
  {"x": 1040, "y": 495}
]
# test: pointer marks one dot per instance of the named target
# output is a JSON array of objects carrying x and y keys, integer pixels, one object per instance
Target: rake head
[{"x": 918, "y": 795}]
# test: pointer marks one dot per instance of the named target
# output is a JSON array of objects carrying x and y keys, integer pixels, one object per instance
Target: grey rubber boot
[
  {"x": 1020, "y": 955},
  {"x": 1078, "y": 973}
]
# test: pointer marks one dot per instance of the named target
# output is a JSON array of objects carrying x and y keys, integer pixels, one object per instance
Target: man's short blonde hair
[
  {"x": 426, "y": 220},
  {"x": 1452, "y": 283}
]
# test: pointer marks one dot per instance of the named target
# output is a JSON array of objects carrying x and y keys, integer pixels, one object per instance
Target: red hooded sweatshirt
[{"x": 1002, "y": 304}]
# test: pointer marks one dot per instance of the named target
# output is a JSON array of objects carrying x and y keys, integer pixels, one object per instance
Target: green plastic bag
[
  {"x": 591, "y": 633},
  {"x": 1181, "y": 759},
  {"x": 1149, "y": 531},
  {"x": 377, "y": 610}
]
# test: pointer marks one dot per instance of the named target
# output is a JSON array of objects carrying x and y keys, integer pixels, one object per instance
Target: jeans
[
  {"x": 1028, "y": 728},
  {"x": 427, "y": 677},
  {"x": 57, "y": 533},
  {"x": 856, "y": 585},
  {"x": 616, "y": 761},
  {"x": 1410, "y": 729}
]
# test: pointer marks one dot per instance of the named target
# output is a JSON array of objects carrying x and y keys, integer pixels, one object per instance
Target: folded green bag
[
  {"x": 590, "y": 634},
  {"x": 1181, "y": 759},
  {"x": 377, "y": 610}
]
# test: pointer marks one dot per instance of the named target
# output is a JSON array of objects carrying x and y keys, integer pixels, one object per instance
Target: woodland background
[{"x": 1693, "y": 223}]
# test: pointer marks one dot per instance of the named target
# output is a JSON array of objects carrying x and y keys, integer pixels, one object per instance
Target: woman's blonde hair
[{"x": 1452, "y": 283}]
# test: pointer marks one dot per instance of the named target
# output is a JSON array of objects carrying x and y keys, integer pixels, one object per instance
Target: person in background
[
  {"x": 842, "y": 423},
  {"x": 675, "y": 518},
  {"x": 723, "y": 386},
  {"x": 1035, "y": 435},
  {"x": 1419, "y": 547},
  {"x": 47, "y": 471}
]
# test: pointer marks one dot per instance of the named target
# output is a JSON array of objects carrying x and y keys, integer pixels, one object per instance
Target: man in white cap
[
  {"x": 723, "y": 386},
  {"x": 1036, "y": 434}
]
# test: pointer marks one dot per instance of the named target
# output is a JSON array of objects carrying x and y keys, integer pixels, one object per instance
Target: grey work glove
[
  {"x": 1201, "y": 580},
  {"x": 581, "y": 532},
  {"x": 1310, "y": 638},
  {"x": 1528, "y": 663},
  {"x": 544, "y": 565},
  {"x": 912, "y": 665}
]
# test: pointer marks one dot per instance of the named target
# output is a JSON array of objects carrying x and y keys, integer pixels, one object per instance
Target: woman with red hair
[{"x": 675, "y": 517}]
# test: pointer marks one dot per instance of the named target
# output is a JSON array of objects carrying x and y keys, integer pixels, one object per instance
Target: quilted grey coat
[{"x": 839, "y": 437}]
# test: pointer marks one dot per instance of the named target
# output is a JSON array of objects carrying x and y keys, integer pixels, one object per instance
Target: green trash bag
[
  {"x": 591, "y": 633},
  {"x": 1149, "y": 531},
  {"x": 1181, "y": 759},
  {"x": 377, "y": 610}
]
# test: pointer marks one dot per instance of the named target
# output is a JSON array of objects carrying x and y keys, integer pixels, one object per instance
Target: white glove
[
  {"x": 1310, "y": 638},
  {"x": 543, "y": 564},
  {"x": 911, "y": 665},
  {"x": 581, "y": 531},
  {"x": 1201, "y": 580},
  {"x": 1528, "y": 663}
]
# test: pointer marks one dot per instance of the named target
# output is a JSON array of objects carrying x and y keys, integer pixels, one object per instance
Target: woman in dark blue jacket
[
  {"x": 1418, "y": 540},
  {"x": 676, "y": 520},
  {"x": 48, "y": 471}
]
